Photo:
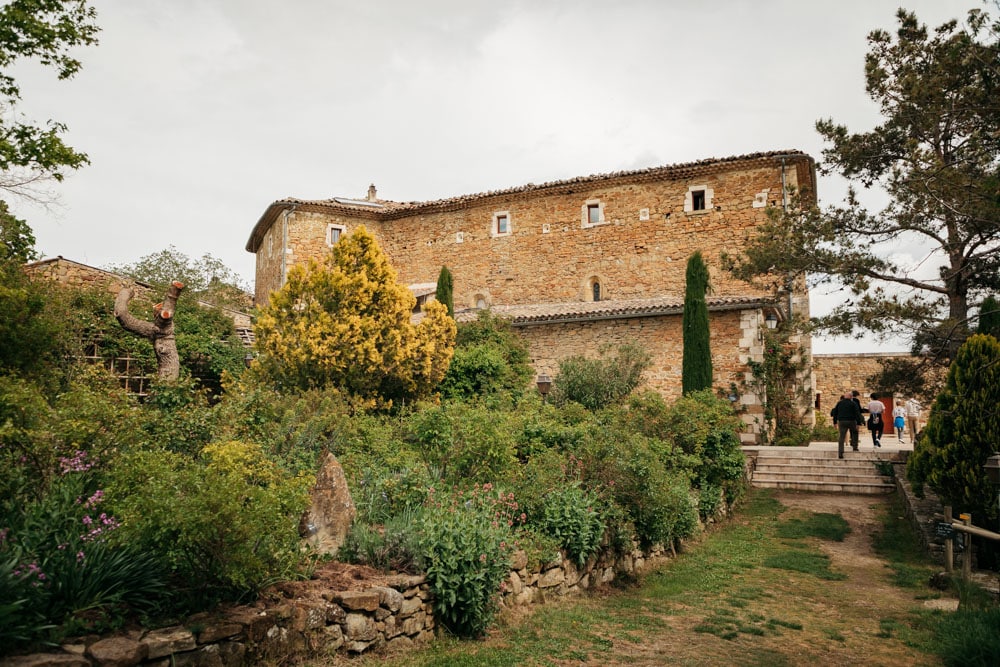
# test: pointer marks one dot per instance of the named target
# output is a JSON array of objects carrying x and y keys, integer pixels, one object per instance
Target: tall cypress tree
[
  {"x": 696, "y": 371},
  {"x": 444, "y": 288},
  {"x": 989, "y": 317}
]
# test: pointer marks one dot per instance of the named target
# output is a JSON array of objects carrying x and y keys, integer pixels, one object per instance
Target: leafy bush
[
  {"x": 597, "y": 383},
  {"x": 655, "y": 498},
  {"x": 465, "y": 442},
  {"x": 706, "y": 429},
  {"x": 491, "y": 361},
  {"x": 465, "y": 546},
  {"x": 56, "y": 562},
  {"x": 824, "y": 431},
  {"x": 571, "y": 515},
  {"x": 392, "y": 547},
  {"x": 226, "y": 523}
]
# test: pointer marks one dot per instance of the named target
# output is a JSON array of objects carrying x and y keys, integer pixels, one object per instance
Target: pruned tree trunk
[{"x": 160, "y": 331}]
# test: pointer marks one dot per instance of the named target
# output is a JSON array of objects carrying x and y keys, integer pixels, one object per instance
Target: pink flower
[{"x": 482, "y": 558}]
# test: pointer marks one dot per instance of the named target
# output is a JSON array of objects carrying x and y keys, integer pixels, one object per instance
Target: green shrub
[
  {"x": 56, "y": 562},
  {"x": 491, "y": 361},
  {"x": 823, "y": 431},
  {"x": 392, "y": 547},
  {"x": 571, "y": 515},
  {"x": 962, "y": 431},
  {"x": 465, "y": 546},
  {"x": 597, "y": 383},
  {"x": 657, "y": 500},
  {"x": 227, "y": 523},
  {"x": 703, "y": 427},
  {"x": 465, "y": 442},
  {"x": 381, "y": 494}
]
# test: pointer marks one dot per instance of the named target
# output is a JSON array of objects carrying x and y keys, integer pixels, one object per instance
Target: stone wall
[
  {"x": 303, "y": 624},
  {"x": 74, "y": 274},
  {"x": 837, "y": 373},
  {"x": 552, "y": 254}
]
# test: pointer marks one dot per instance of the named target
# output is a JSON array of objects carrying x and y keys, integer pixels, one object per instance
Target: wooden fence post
[
  {"x": 967, "y": 556},
  {"x": 949, "y": 544}
]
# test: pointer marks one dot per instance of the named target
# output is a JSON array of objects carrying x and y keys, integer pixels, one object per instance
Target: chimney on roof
[{"x": 371, "y": 193}]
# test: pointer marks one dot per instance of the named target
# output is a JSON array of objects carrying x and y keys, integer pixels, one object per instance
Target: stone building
[{"x": 575, "y": 264}]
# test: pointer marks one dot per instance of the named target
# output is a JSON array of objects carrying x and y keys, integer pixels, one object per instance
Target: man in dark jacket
[{"x": 847, "y": 416}]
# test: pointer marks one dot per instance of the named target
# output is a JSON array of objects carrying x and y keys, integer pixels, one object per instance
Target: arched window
[{"x": 596, "y": 287}]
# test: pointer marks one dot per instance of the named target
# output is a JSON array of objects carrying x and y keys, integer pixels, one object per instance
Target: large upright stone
[{"x": 331, "y": 511}]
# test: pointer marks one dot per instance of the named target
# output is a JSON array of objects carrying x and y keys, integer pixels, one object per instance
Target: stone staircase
[{"x": 807, "y": 469}]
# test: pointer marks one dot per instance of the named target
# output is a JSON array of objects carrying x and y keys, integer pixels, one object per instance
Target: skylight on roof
[{"x": 357, "y": 202}]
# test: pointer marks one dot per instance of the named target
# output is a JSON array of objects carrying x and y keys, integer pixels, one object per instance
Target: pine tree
[
  {"x": 345, "y": 322},
  {"x": 696, "y": 370},
  {"x": 444, "y": 291},
  {"x": 963, "y": 431}
]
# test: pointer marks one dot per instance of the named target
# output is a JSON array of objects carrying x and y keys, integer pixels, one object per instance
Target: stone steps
[{"x": 806, "y": 469}]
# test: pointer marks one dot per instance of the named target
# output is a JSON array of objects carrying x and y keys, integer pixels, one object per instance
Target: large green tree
[
  {"x": 345, "y": 322},
  {"x": 46, "y": 31},
  {"x": 696, "y": 367},
  {"x": 935, "y": 154}
]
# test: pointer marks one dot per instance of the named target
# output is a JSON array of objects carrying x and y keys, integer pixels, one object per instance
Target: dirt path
[
  {"x": 855, "y": 621},
  {"x": 724, "y": 602}
]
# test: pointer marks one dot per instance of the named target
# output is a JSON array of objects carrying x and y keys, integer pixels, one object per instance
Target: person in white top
[
  {"x": 899, "y": 419},
  {"x": 913, "y": 417},
  {"x": 875, "y": 422}
]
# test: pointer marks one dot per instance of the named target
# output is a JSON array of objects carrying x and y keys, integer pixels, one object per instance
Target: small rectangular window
[
  {"x": 502, "y": 224},
  {"x": 698, "y": 200},
  {"x": 594, "y": 214},
  {"x": 333, "y": 234}
]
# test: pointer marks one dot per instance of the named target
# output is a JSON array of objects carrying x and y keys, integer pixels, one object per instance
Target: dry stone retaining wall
[{"x": 397, "y": 614}]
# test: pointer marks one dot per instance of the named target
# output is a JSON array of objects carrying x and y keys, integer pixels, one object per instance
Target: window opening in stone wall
[
  {"x": 698, "y": 200},
  {"x": 333, "y": 233},
  {"x": 596, "y": 291},
  {"x": 480, "y": 302},
  {"x": 594, "y": 214},
  {"x": 501, "y": 223}
]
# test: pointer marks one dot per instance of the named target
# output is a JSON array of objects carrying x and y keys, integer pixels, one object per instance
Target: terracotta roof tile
[{"x": 552, "y": 313}]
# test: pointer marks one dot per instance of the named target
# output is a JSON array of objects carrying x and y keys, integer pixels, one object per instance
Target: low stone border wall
[
  {"x": 922, "y": 513},
  {"x": 397, "y": 614}
]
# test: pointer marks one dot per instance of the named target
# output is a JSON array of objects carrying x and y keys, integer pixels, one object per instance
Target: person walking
[
  {"x": 856, "y": 397},
  {"x": 846, "y": 415},
  {"x": 913, "y": 409},
  {"x": 899, "y": 419},
  {"x": 875, "y": 422}
]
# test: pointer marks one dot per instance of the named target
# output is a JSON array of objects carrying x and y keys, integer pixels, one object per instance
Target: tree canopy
[
  {"x": 345, "y": 322},
  {"x": 206, "y": 278},
  {"x": 46, "y": 31},
  {"x": 935, "y": 154}
]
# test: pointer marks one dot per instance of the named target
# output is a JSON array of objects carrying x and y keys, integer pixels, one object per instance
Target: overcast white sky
[{"x": 197, "y": 114}]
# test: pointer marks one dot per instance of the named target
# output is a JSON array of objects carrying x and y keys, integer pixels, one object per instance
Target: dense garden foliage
[{"x": 115, "y": 507}]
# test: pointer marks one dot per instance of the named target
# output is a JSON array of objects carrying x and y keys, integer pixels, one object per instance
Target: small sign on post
[{"x": 943, "y": 530}]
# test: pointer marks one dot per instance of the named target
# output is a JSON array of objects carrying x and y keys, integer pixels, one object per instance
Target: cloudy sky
[{"x": 197, "y": 114}]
